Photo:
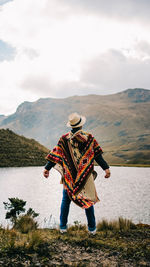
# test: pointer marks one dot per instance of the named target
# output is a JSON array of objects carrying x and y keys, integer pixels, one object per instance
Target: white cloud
[
  {"x": 113, "y": 71},
  {"x": 122, "y": 10},
  {"x": 61, "y": 52}
]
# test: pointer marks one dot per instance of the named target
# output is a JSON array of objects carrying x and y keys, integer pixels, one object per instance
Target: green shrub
[
  {"x": 26, "y": 223},
  {"x": 14, "y": 207}
]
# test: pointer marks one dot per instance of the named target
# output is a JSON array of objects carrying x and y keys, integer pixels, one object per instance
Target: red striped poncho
[{"x": 74, "y": 179}]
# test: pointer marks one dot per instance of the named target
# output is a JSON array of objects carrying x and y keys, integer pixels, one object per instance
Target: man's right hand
[{"x": 46, "y": 173}]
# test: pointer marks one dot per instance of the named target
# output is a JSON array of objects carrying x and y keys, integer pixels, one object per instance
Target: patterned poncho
[{"x": 76, "y": 153}]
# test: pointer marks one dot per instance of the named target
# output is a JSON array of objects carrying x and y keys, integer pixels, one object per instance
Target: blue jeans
[{"x": 64, "y": 211}]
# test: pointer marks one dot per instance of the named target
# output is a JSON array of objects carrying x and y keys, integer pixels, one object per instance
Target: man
[{"x": 74, "y": 157}]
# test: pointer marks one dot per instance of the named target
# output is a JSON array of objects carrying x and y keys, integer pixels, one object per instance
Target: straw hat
[{"x": 75, "y": 120}]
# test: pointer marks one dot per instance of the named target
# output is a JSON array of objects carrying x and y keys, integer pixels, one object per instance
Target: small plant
[
  {"x": 32, "y": 213},
  {"x": 77, "y": 227},
  {"x": 26, "y": 223},
  {"x": 15, "y": 207},
  {"x": 23, "y": 223},
  {"x": 77, "y": 224}
]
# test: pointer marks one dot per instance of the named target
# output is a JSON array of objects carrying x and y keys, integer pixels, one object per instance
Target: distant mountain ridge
[{"x": 120, "y": 122}]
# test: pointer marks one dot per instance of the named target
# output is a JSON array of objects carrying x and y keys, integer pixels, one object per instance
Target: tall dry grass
[{"x": 116, "y": 225}]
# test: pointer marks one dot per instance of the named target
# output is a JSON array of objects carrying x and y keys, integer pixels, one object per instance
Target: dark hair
[{"x": 73, "y": 130}]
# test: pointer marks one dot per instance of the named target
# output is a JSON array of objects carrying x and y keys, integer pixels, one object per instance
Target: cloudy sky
[{"x": 60, "y": 48}]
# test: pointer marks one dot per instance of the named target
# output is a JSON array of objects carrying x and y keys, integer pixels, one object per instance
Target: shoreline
[
  {"x": 111, "y": 165},
  {"x": 130, "y": 165}
]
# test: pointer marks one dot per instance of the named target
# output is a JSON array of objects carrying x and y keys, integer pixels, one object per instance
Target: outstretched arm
[
  {"x": 48, "y": 166},
  {"x": 103, "y": 164}
]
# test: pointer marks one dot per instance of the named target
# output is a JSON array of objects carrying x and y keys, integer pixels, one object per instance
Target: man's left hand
[{"x": 107, "y": 173}]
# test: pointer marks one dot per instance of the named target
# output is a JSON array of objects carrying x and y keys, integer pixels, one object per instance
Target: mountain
[
  {"x": 120, "y": 122},
  {"x": 2, "y": 117},
  {"x": 19, "y": 151}
]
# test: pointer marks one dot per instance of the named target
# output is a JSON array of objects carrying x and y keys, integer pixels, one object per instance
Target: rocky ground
[
  {"x": 63, "y": 254},
  {"x": 76, "y": 248}
]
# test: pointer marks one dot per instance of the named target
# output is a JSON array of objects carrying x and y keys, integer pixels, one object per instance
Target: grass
[
  {"x": 18, "y": 151},
  {"x": 121, "y": 238},
  {"x": 117, "y": 225}
]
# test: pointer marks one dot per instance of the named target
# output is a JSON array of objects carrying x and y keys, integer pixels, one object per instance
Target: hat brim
[{"x": 83, "y": 120}]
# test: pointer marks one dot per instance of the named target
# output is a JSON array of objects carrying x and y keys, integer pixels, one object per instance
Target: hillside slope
[
  {"x": 120, "y": 122},
  {"x": 16, "y": 151}
]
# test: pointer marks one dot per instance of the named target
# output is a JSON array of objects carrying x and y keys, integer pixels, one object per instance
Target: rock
[
  {"x": 142, "y": 263},
  {"x": 106, "y": 263}
]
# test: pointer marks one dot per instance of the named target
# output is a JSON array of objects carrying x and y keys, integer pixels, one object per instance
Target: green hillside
[{"x": 17, "y": 151}]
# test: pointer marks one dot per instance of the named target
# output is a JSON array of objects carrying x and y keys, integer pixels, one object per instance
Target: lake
[{"x": 125, "y": 194}]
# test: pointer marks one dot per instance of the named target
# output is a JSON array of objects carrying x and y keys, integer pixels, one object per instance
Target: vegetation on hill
[{"x": 18, "y": 151}]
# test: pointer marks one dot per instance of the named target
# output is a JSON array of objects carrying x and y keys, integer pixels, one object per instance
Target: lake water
[{"x": 126, "y": 194}]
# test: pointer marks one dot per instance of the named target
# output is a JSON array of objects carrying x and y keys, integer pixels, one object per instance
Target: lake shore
[
  {"x": 109, "y": 247},
  {"x": 111, "y": 165},
  {"x": 131, "y": 165},
  {"x": 128, "y": 165}
]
